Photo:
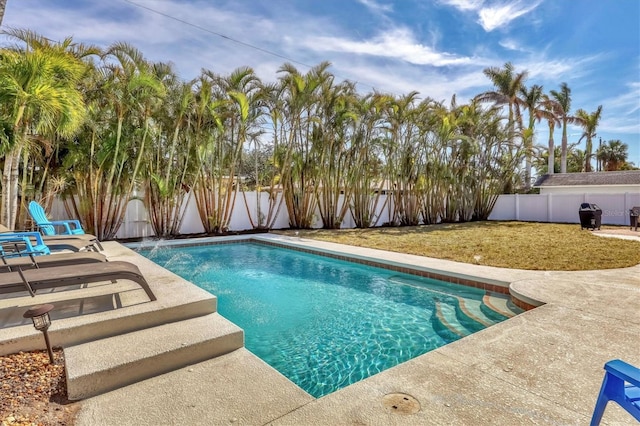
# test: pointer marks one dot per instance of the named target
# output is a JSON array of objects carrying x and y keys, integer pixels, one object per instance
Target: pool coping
[{"x": 544, "y": 365}]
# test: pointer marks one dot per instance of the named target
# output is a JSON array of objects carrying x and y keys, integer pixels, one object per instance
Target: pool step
[
  {"x": 499, "y": 306},
  {"x": 473, "y": 309},
  {"x": 455, "y": 317},
  {"x": 446, "y": 323},
  {"x": 102, "y": 365}
]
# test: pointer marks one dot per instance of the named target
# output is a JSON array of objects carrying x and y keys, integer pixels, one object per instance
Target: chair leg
[
  {"x": 601, "y": 403},
  {"x": 612, "y": 389},
  {"x": 598, "y": 411}
]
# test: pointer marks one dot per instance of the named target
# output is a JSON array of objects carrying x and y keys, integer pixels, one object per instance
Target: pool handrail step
[{"x": 103, "y": 365}]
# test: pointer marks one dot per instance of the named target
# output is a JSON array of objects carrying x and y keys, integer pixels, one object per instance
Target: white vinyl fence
[
  {"x": 560, "y": 208},
  {"x": 563, "y": 208}
]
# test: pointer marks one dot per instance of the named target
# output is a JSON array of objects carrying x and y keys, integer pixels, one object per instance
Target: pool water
[{"x": 326, "y": 323}]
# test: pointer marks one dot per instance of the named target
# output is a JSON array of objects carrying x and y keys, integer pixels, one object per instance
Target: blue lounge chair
[
  {"x": 48, "y": 227},
  {"x": 15, "y": 254},
  {"x": 71, "y": 242},
  {"x": 22, "y": 244},
  {"x": 621, "y": 384},
  {"x": 35, "y": 242}
]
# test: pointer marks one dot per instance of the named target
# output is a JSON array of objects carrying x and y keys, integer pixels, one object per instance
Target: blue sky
[{"x": 436, "y": 47}]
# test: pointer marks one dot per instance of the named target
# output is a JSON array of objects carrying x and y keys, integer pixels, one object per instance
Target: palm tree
[
  {"x": 171, "y": 161},
  {"x": 234, "y": 110},
  {"x": 508, "y": 86},
  {"x": 589, "y": 122},
  {"x": 551, "y": 109},
  {"x": 331, "y": 139},
  {"x": 39, "y": 85},
  {"x": 300, "y": 98},
  {"x": 365, "y": 176},
  {"x": 613, "y": 154},
  {"x": 3, "y": 5},
  {"x": 563, "y": 102},
  {"x": 122, "y": 103},
  {"x": 533, "y": 101}
]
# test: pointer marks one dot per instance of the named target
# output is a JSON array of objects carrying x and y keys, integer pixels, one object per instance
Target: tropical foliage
[
  {"x": 613, "y": 156},
  {"x": 102, "y": 127}
]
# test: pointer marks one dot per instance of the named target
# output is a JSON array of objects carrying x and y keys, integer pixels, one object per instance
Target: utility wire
[{"x": 242, "y": 43}]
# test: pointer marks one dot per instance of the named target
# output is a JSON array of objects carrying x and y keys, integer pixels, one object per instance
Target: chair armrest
[
  {"x": 29, "y": 252},
  {"x": 26, "y": 234},
  {"x": 623, "y": 370},
  {"x": 16, "y": 250},
  {"x": 28, "y": 261},
  {"x": 74, "y": 222},
  {"x": 56, "y": 223},
  {"x": 17, "y": 239}
]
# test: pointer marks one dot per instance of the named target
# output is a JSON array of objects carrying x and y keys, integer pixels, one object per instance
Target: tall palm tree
[
  {"x": 563, "y": 102},
  {"x": 300, "y": 96},
  {"x": 365, "y": 176},
  {"x": 233, "y": 108},
  {"x": 127, "y": 93},
  {"x": 589, "y": 123},
  {"x": 171, "y": 161},
  {"x": 507, "y": 90},
  {"x": 533, "y": 101},
  {"x": 39, "y": 84},
  {"x": 551, "y": 109}
]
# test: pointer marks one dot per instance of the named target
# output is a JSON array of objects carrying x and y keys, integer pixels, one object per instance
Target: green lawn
[{"x": 519, "y": 245}]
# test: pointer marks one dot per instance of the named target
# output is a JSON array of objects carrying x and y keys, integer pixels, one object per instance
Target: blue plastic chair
[
  {"x": 24, "y": 239},
  {"x": 621, "y": 384},
  {"x": 48, "y": 227}
]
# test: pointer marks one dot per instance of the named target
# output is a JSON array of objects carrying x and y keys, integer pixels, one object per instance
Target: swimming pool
[{"x": 326, "y": 323}]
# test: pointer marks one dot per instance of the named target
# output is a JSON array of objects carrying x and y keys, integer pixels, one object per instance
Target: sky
[{"x": 435, "y": 47}]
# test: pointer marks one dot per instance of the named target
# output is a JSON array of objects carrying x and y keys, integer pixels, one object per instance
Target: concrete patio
[{"x": 541, "y": 367}]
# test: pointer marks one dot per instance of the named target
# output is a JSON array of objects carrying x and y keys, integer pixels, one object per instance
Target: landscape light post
[{"x": 41, "y": 321}]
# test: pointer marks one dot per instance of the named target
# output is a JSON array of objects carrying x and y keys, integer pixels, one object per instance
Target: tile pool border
[{"x": 488, "y": 285}]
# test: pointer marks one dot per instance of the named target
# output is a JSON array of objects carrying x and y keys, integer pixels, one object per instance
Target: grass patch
[{"x": 516, "y": 245}]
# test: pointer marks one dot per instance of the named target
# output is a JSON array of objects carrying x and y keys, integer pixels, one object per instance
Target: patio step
[{"x": 103, "y": 365}]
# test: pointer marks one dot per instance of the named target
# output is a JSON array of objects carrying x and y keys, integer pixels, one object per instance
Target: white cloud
[
  {"x": 628, "y": 101},
  {"x": 500, "y": 14},
  {"x": 395, "y": 44},
  {"x": 621, "y": 113},
  {"x": 512, "y": 44},
  {"x": 465, "y": 5},
  {"x": 496, "y": 14},
  {"x": 376, "y": 7}
]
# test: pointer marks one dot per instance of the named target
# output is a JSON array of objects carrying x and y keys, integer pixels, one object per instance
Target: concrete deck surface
[{"x": 542, "y": 367}]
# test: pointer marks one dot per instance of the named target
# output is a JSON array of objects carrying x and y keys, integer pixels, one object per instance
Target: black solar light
[{"x": 41, "y": 321}]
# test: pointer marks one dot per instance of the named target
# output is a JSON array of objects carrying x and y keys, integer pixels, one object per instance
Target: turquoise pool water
[{"x": 326, "y": 323}]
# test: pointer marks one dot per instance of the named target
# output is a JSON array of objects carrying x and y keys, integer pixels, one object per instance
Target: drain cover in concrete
[{"x": 400, "y": 403}]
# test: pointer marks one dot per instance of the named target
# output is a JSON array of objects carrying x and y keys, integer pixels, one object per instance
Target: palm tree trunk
[
  {"x": 3, "y": 5},
  {"x": 6, "y": 189},
  {"x": 551, "y": 161},
  {"x": 563, "y": 158}
]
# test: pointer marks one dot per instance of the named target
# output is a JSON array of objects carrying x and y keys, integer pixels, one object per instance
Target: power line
[
  {"x": 226, "y": 37},
  {"x": 234, "y": 40}
]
